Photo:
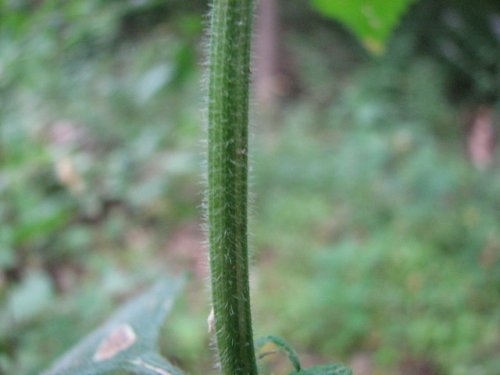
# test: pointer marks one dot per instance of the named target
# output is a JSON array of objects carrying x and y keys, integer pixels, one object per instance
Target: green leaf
[
  {"x": 127, "y": 342},
  {"x": 336, "y": 369},
  {"x": 372, "y": 21},
  {"x": 282, "y": 345}
]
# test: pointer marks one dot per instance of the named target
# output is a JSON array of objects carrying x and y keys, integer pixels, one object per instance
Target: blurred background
[{"x": 376, "y": 181}]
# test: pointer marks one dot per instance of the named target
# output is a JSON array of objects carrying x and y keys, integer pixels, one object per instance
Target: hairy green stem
[{"x": 228, "y": 87}]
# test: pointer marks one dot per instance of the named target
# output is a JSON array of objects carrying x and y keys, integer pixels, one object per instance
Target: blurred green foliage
[
  {"x": 376, "y": 226},
  {"x": 464, "y": 36},
  {"x": 372, "y": 232},
  {"x": 371, "y": 21},
  {"x": 93, "y": 161}
]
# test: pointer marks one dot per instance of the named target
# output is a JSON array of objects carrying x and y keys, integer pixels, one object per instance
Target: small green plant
[{"x": 127, "y": 343}]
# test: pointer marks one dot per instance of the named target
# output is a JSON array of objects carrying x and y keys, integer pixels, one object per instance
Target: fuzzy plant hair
[{"x": 227, "y": 182}]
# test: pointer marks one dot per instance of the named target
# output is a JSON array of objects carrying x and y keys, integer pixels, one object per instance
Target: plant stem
[{"x": 229, "y": 71}]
